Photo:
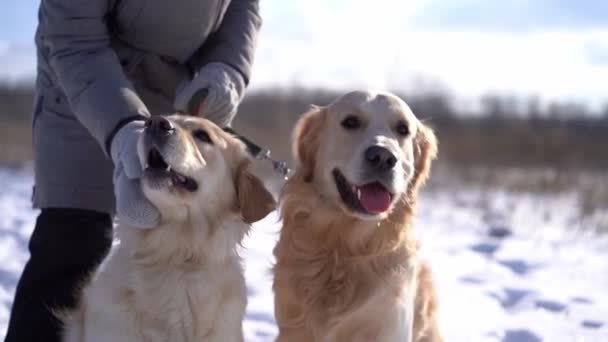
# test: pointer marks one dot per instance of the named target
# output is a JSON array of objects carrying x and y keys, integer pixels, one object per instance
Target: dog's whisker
[{"x": 426, "y": 119}]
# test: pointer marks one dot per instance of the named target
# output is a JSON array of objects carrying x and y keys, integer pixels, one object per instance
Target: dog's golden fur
[
  {"x": 180, "y": 281},
  {"x": 339, "y": 277}
]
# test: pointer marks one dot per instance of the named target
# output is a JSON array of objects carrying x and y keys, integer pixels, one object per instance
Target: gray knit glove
[
  {"x": 223, "y": 89},
  {"x": 132, "y": 207}
]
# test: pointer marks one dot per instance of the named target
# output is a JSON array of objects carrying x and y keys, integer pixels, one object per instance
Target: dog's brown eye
[
  {"x": 402, "y": 129},
  {"x": 202, "y": 136},
  {"x": 351, "y": 122}
]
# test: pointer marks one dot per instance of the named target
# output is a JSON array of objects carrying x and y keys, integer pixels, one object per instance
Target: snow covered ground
[{"x": 508, "y": 267}]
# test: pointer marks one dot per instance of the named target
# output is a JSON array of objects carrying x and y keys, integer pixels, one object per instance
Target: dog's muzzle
[{"x": 158, "y": 132}]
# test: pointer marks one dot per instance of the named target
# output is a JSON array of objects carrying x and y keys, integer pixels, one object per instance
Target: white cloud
[
  {"x": 550, "y": 64},
  {"x": 354, "y": 44},
  {"x": 3, "y": 47},
  {"x": 359, "y": 45},
  {"x": 18, "y": 61},
  {"x": 333, "y": 40},
  {"x": 597, "y": 52}
]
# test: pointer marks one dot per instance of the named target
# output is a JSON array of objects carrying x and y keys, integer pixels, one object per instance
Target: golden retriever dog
[
  {"x": 346, "y": 263},
  {"x": 183, "y": 280}
]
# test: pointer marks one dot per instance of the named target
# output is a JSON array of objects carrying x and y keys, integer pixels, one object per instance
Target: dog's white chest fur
[
  {"x": 193, "y": 306},
  {"x": 203, "y": 300},
  {"x": 363, "y": 325}
]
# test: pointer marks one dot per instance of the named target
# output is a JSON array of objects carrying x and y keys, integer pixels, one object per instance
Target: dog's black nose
[
  {"x": 380, "y": 158},
  {"x": 159, "y": 125}
]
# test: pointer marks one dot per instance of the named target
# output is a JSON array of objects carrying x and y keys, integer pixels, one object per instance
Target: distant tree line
[
  {"x": 16, "y": 102},
  {"x": 503, "y": 131},
  {"x": 509, "y": 132}
]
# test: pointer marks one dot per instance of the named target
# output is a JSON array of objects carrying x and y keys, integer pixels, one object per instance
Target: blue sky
[
  {"x": 18, "y": 20},
  {"x": 557, "y": 49},
  {"x": 513, "y": 15}
]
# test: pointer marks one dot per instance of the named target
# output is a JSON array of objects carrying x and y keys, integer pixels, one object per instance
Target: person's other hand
[
  {"x": 214, "y": 93},
  {"x": 132, "y": 207}
]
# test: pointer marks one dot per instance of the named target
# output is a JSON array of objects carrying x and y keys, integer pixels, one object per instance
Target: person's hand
[
  {"x": 132, "y": 207},
  {"x": 214, "y": 93}
]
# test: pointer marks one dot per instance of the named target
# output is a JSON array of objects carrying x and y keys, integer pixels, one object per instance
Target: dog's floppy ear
[
  {"x": 254, "y": 200},
  {"x": 306, "y": 136},
  {"x": 425, "y": 151}
]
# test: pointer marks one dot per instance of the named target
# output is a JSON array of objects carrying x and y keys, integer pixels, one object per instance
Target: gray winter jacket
[{"x": 102, "y": 61}]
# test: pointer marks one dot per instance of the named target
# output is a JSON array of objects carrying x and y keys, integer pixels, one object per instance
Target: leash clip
[
  {"x": 277, "y": 165},
  {"x": 260, "y": 153}
]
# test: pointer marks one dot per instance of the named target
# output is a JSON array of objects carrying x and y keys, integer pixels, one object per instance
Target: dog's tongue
[{"x": 374, "y": 198}]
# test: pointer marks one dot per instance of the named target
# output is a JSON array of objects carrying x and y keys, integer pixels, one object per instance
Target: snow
[{"x": 507, "y": 267}]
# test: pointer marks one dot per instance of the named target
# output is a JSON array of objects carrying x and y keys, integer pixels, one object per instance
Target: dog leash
[{"x": 254, "y": 149}]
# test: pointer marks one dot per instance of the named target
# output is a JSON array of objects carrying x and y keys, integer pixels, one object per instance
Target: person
[{"x": 103, "y": 67}]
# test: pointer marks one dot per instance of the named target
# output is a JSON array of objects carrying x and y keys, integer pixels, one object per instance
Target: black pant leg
[{"x": 65, "y": 247}]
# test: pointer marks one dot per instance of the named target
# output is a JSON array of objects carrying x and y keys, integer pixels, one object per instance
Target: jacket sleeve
[
  {"x": 76, "y": 38},
  {"x": 235, "y": 40}
]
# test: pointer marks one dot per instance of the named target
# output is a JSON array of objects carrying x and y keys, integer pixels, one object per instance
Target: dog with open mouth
[
  {"x": 183, "y": 280},
  {"x": 346, "y": 261}
]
